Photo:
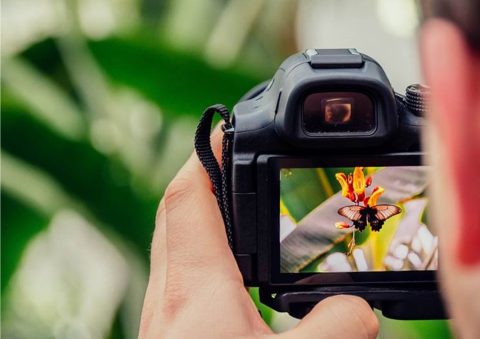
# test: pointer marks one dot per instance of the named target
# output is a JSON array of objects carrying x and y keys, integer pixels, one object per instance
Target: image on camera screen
[{"x": 354, "y": 219}]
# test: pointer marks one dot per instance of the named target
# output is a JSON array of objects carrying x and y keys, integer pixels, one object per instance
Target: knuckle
[
  {"x": 179, "y": 189},
  {"x": 362, "y": 321},
  {"x": 367, "y": 320},
  {"x": 160, "y": 212},
  {"x": 371, "y": 326},
  {"x": 175, "y": 298}
]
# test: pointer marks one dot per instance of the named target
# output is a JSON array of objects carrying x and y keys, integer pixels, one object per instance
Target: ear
[{"x": 452, "y": 70}]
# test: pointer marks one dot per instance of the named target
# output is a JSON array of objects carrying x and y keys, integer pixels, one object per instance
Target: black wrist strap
[{"x": 218, "y": 175}]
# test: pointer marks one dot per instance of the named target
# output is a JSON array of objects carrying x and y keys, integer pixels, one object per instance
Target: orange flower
[
  {"x": 368, "y": 181},
  {"x": 351, "y": 194},
  {"x": 358, "y": 181},
  {"x": 342, "y": 179},
  {"x": 353, "y": 186},
  {"x": 350, "y": 181}
]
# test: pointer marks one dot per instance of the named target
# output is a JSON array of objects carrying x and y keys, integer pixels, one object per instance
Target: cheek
[
  {"x": 454, "y": 149},
  {"x": 443, "y": 209}
]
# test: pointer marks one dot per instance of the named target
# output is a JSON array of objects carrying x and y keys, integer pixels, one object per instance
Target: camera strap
[{"x": 219, "y": 174}]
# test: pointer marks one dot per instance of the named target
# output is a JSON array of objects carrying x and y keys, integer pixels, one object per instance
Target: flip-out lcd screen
[{"x": 354, "y": 219}]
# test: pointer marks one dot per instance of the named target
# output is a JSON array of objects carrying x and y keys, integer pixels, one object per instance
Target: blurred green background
[{"x": 99, "y": 103}]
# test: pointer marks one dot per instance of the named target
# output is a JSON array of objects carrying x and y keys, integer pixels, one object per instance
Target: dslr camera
[{"x": 322, "y": 187}]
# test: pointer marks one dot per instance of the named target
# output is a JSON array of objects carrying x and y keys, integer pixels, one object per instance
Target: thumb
[{"x": 340, "y": 316}]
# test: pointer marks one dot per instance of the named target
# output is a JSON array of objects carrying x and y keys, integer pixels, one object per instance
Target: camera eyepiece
[
  {"x": 334, "y": 112},
  {"x": 333, "y": 97}
]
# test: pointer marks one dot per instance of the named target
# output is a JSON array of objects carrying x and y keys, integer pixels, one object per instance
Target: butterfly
[{"x": 374, "y": 215}]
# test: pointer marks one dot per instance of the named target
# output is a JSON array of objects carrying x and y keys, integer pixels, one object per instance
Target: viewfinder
[{"x": 337, "y": 112}]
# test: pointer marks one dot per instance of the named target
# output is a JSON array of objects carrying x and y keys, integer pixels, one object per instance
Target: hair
[{"x": 463, "y": 13}]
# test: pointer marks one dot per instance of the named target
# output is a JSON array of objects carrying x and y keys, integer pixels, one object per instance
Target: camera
[{"x": 323, "y": 190}]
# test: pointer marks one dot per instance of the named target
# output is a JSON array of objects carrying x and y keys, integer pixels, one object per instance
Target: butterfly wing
[
  {"x": 375, "y": 224},
  {"x": 352, "y": 212},
  {"x": 383, "y": 212},
  {"x": 361, "y": 223},
  {"x": 355, "y": 213}
]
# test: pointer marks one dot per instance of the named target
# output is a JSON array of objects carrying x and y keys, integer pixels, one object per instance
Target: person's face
[{"x": 452, "y": 70}]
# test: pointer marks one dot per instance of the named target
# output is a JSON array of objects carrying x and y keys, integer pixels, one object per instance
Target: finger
[
  {"x": 156, "y": 281},
  {"x": 340, "y": 316},
  {"x": 194, "y": 230},
  {"x": 188, "y": 230},
  {"x": 216, "y": 139}
]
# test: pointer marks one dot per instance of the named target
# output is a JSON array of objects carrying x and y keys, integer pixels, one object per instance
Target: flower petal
[
  {"x": 342, "y": 179},
  {"x": 377, "y": 192},
  {"x": 342, "y": 225},
  {"x": 358, "y": 181},
  {"x": 365, "y": 201}
]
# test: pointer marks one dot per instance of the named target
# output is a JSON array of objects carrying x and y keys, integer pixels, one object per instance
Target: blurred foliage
[
  {"x": 104, "y": 187},
  {"x": 98, "y": 119},
  {"x": 28, "y": 222}
]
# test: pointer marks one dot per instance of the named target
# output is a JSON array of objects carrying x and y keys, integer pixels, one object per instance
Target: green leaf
[
  {"x": 413, "y": 329},
  {"x": 20, "y": 223},
  {"x": 265, "y": 311},
  {"x": 301, "y": 191},
  {"x": 101, "y": 183},
  {"x": 43, "y": 98},
  {"x": 180, "y": 83}
]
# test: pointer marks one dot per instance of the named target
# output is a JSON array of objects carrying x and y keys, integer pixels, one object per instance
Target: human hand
[{"x": 195, "y": 287}]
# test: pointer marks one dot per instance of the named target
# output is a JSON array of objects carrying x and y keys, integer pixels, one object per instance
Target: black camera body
[{"x": 322, "y": 109}]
